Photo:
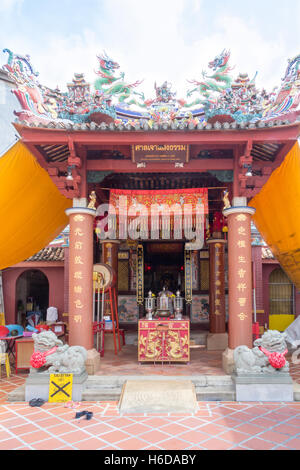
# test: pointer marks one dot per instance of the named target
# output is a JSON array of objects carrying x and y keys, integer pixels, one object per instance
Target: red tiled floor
[
  {"x": 10, "y": 444},
  {"x": 213, "y": 444},
  {"x": 212, "y": 429},
  {"x": 132, "y": 444},
  {"x": 146, "y": 432},
  {"x": 173, "y": 444},
  {"x": 137, "y": 428},
  {"x": 249, "y": 428},
  {"x": 202, "y": 363},
  {"x": 294, "y": 443},
  {"x": 258, "y": 444},
  {"x": 192, "y": 422},
  {"x": 194, "y": 436},
  {"x": 275, "y": 437},
  {"x": 155, "y": 436},
  {"x": 215, "y": 426},
  {"x": 74, "y": 436},
  {"x": 286, "y": 429},
  {"x": 47, "y": 444},
  {"x": 114, "y": 436},
  {"x": 234, "y": 436},
  {"x": 35, "y": 436},
  {"x": 90, "y": 444}
]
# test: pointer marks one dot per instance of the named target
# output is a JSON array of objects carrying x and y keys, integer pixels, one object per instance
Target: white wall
[{"x": 8, "y": 104}]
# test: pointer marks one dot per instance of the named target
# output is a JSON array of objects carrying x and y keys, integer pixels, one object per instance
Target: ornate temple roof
[
  {"x": 217, "y": 101},
  {"x": 266, "y": 253},
  {"x": 49, "y": 254}
]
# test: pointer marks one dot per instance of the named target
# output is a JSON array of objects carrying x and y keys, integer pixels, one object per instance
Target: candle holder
[
  {"x": 164, "y": 305},
  {"x": 178, "y": 306},
  {"x": 150, "y": 305}
]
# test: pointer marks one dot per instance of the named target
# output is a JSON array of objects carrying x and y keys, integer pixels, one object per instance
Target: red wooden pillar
[
  {"x": 239, "y": 279},
  {"x": 81, "y": 277},
  {"x": 217, "y": 314}
]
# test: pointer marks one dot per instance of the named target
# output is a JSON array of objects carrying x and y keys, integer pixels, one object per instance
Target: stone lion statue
[
  {"x": 267, "y": 356},
  {"x": 60, "y": 357}
]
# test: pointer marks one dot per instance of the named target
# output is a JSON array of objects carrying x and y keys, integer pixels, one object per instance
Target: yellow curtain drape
[
  {"x": 277, "y": 214},
  {"x": 32, "y": 208}
]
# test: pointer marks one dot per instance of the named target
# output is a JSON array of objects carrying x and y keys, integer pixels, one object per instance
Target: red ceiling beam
[
  {"x": 51, "y": 136},
  {"x": 126, "y": 166}
]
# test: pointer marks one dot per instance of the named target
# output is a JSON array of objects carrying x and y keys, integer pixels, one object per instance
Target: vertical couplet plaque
[{"x": 140, "y": 275}]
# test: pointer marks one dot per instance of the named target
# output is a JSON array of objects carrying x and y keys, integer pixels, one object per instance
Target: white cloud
[
  {"x": 150, "y": 41},
  {"x": 7, "y": 6}
]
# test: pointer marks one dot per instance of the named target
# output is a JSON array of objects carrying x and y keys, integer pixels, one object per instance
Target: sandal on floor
[
  {"x": 37, "y": 402},
  {"x": 80, "y": 414}
]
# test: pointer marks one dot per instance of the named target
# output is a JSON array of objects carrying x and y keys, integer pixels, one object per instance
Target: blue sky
[{"x": 152, "y": 39}]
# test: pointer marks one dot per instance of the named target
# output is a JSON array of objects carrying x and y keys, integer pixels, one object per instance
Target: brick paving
[{"x": 216, "y": 425}]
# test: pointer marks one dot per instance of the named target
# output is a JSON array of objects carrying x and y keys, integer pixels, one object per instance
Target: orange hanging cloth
[
  {"x": 277, "y": 214},
  {"x": 32, "y": 208}
]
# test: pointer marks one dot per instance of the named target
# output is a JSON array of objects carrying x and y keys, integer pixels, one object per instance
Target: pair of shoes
[
  {"x": 37, "y": 402},
  {"x": 87, "y": 414}
]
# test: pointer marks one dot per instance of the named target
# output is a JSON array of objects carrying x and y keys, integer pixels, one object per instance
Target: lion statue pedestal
[
  {"x": 262, "y": 373},
  {"x": 51, "y": 356}
]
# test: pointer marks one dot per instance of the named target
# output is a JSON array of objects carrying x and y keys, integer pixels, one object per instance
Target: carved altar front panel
[{"x": 164, "y": 340}]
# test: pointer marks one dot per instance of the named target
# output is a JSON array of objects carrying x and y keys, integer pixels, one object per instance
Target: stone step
[
  {"x": 111, "y": 381},
  {"x": 108, "y": 394},
  {"x": 17, "y": 395},
  {"x": 208, "y": 388},
  {"x": 215, "y": 394}
]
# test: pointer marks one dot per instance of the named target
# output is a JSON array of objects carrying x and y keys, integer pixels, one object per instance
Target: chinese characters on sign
[
  {"x": 218, "y": 279},
  {"x": 241, "y": 261},
  {"x": 140, "y": 275},
  {"x": 188, "y": 276},
  {"x": 78, "y": 262}
]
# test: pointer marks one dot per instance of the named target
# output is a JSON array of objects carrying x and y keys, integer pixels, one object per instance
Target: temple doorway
[
  {"x": 164, "y": 266},
  {"x": 32, "y": 294}
]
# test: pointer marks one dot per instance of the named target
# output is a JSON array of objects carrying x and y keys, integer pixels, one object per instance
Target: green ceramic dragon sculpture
[
  {"x": 114, "y": 86},
  {"x": 219, "y": 81}
]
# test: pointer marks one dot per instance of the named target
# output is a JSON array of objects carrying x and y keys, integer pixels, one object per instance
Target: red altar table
[{"x": 164, "y": 340}]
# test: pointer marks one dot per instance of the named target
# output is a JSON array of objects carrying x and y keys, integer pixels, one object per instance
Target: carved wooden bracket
[
  {"x": 246, "y": 159},
  {"x": 73, "y": 159},
  {"x": 69, "y": 189}
]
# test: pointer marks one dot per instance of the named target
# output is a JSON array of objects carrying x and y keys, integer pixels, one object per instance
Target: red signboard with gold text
[{"x": 158, "y": 153}]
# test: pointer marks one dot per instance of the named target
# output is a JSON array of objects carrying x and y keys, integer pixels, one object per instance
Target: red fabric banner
[
  {"x": 168, "y": 212},
  {"x": 167, "y": 196}
]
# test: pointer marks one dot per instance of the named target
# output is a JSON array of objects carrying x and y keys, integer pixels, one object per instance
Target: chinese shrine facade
[{"x": 218, "y": 146}]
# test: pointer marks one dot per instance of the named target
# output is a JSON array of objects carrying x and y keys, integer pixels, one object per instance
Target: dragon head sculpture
[
  {"x": 107, "y": 63},
  {"x": 220, "y": 61}
]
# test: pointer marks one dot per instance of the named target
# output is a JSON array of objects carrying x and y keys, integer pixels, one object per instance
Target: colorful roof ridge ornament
[
  {"x": 115, "y": 86},
  {"x": 218, "y": 99}
]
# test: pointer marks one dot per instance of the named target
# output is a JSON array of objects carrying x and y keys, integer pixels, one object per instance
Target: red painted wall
[{"x": 55, "y": 276}]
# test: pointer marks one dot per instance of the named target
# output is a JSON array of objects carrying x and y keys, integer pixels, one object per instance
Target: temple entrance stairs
[{"x": 208, "y": 388}]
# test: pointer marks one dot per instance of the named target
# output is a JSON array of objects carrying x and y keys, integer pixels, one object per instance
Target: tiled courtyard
[
  {"x": 216, "y": 425},
  {"x": 202, "y": 362}
]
